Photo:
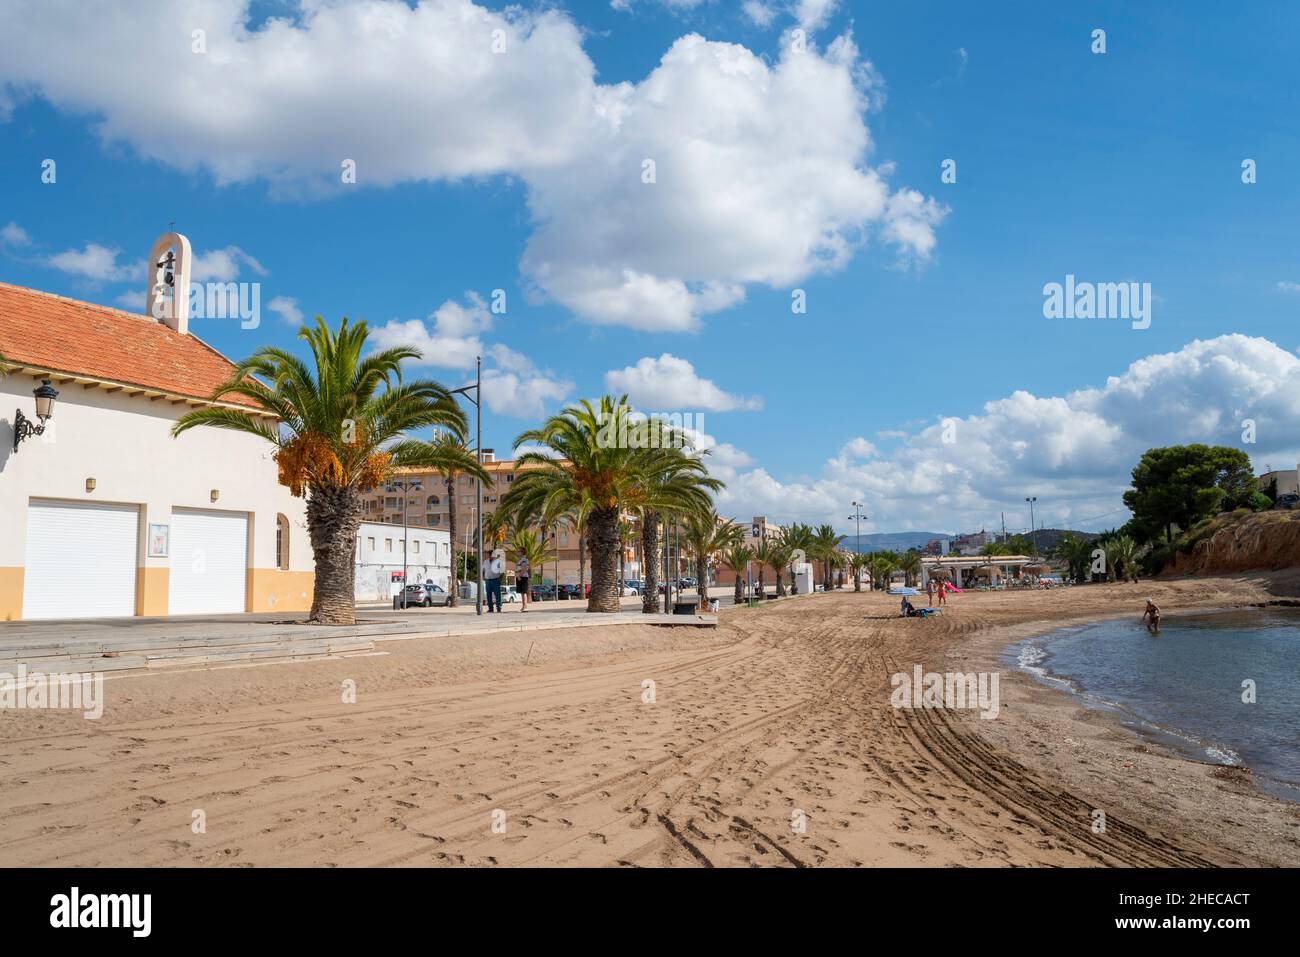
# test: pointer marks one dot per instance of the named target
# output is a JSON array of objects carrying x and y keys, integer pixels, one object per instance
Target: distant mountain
[
  {"x": 1048, "y": 539},
  {"x": 892, "y": 541}
]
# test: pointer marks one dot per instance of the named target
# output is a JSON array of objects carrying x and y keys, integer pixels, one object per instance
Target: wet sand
[{"x": 769, "y": 741}]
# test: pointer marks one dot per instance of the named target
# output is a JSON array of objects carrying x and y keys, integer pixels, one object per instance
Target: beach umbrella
[
  {"x": 1038, "y": 568},
  {"x": 938, "y": 571},
  {"x": 986, "y": 571},
  {"x": 903, "y": 591}
]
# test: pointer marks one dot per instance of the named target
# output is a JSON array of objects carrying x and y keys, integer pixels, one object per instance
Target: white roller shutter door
[
  {"x": 209, "y": 562},
  {"x": 81, "y": 560}
]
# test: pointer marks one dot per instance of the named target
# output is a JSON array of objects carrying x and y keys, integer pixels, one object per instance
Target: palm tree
[
  {"x": 910, "y": 563},
  {"x": 826, "y": 542},
  {"x": 1076, "y": 552},
  {"x": 706, "y": 535},
  {"x": 1122, "y": 554},
  {"x": 764, "y": 555},
  {"x": 496, "y": 528},
  {"x": 586, "y": 474},
  {"x": 449, "y": 455},
  {"x": 859, "y": 563},
  {"x": 649, "y": 561},
  {"x": 782, "y": 555},
  {"x": 626, "y": 536},
  {"x": 738, "y": 557},
  {"x": 882, "y": 566},
  {"x": 800, "y": 539},
  {"x": 338, "y": 430},
  {"x": 1127, "y": 553},
  {"x": 670, "y": 490},
  {"x": 530, "y": 544}
]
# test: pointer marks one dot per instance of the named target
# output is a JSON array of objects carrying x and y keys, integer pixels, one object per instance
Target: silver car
[{"x": 426, "y": 595}]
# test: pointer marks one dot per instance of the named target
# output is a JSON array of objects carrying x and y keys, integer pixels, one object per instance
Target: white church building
[{"x": 102, "y": 511}]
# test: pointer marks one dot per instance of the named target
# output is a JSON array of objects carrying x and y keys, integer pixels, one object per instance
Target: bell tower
[{"x": 169, "y": 282}]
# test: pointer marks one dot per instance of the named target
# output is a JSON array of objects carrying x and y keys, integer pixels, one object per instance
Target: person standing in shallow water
[{"x": 1152, "y": 617}]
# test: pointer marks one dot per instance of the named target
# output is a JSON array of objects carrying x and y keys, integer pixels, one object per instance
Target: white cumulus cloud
[
  {"x": 1073, "y": 451},
  {"x": 93, "y": 261},
  {"x": 669, "y": 383},
  {"x": 761, "y": 170}
]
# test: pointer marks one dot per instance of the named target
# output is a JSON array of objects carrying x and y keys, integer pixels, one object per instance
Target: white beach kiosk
[{"x": 961, "y": 570}]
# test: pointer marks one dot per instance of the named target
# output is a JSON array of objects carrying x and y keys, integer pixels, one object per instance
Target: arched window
[
  {"x": 434, "y": 500},
  {"x": 281, "y": 543}
]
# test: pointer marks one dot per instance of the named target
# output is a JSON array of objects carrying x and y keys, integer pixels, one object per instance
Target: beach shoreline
[
  {"x": 1090, "y": 746},
  {"x": 769, "y": 741}
]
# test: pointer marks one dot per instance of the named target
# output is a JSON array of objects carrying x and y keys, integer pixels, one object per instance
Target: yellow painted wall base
[
  {"x": 11, "y": 594},
  {"x": 270, "y": 589},
  {"x": 151, "y": 591}
]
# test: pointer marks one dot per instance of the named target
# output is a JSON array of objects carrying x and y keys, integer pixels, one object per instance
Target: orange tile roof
[{"x": 46, "y": 331}]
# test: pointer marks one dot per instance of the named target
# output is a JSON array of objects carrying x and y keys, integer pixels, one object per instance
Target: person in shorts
[{"x": 522, "y": 569}]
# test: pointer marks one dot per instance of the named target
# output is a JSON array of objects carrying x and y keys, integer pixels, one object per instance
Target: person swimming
[{"x": 1151, "y": 616}]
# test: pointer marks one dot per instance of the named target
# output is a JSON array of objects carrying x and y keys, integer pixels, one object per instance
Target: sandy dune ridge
[{"x": 780, "y": 716}]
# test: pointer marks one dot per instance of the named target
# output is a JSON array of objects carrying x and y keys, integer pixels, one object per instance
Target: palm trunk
[
  {"x": 582, "y": 560},
  {"x": 333, "y": 516},
  {"x": 780, "y": 582},
  {"x": 857, "y": 579},
  {"x": 602, "y": 529},
  {"x": 453, "y": 587},
  {"x": 650, "y": 563},
  {"x": 702, "y": 583},
  {"x": 739, "y": 594}
]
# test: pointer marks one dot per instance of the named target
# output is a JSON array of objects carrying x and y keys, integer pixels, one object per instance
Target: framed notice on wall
[{"x": 158, "y": 535}]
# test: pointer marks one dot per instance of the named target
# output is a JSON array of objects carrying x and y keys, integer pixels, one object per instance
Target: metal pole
[
  {"x": 401, "y": 486},
  {"x": 1033, "y": 529},
  {"x": 478, "y": 451},
  {"x": 668, "y": 589}
]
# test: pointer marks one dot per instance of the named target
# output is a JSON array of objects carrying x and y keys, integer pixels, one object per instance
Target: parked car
[
  {"x": 542, "y": 593},
  {"x": 1290, "y": 500},
  {"x": 426, "y": 595},
  {"x": 509, "y": 594},
  {"x": 570, "y": 591},
  {"x": 632, "y": 587}
]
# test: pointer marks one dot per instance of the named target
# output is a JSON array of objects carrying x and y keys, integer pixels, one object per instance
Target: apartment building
[
  {"x": 972, "y": 544},
  {"x": 422, "y": 498},
  {"x": 1286, "y": 481}
]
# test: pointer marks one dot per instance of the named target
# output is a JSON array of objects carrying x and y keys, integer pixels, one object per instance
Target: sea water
[{"x": 1185, "y": 686}]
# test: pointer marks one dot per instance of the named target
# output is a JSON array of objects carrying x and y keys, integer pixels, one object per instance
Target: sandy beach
[{"x": 769, "y": 741}]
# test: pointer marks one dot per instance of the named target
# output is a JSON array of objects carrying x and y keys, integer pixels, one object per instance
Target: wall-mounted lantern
[
  {"x": 90, "y": 485},
  {"x": 23, "y": 426},
  {"x": 214, "y": 494}
]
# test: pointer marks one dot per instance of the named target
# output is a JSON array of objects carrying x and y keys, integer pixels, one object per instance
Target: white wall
[
  {"x": 376, "y": 562},
  {"x": 125, "y": 444}
]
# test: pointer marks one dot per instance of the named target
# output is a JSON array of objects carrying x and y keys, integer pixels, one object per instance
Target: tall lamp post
[
  {"x": 410, "y": 485},
  {"x": 857, "y": 516},
  {"x": 478, "y": 453},
  {"x": 1033, "y": 529}
]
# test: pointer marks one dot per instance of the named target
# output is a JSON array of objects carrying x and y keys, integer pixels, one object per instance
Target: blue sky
[{"x": 924, "y": 299}]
